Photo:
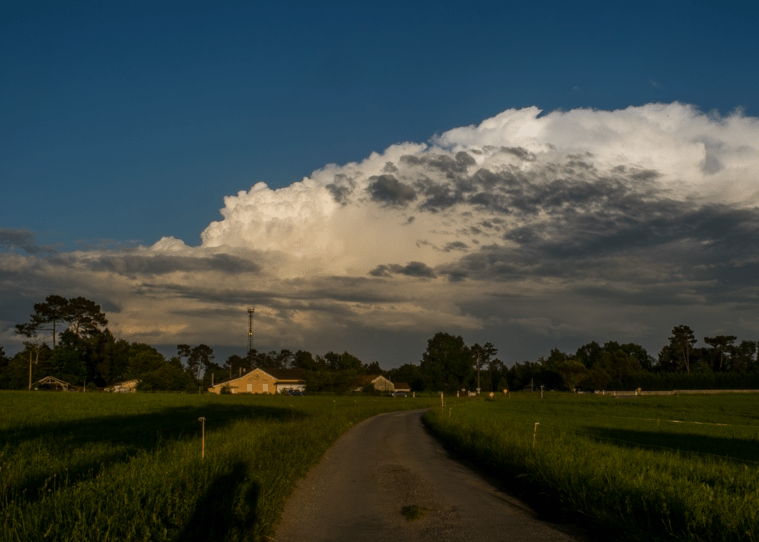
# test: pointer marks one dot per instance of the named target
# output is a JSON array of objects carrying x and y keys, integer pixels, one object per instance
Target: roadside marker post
[
  {"x": 202, "y": 437},
  {"x": 535, "y": 434}
]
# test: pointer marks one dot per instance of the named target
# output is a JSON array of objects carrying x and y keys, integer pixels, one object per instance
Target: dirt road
[{"x": 390, "y": 462}]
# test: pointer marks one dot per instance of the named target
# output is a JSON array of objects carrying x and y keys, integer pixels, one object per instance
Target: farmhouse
[
  {"x": 128, "y": 386},
  {"x": 379, "y": 382},
  {"x": 264, "y": 381}
]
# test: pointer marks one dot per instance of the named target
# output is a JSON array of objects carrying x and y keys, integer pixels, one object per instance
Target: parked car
[
  {"x": 296, "y": 392},
  {"x": 400, "y": 394}
]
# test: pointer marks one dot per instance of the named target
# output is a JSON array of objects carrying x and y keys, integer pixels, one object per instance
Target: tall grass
[
  {"x": 630, "y": 466},
  {"x": 128, "y": 467}
]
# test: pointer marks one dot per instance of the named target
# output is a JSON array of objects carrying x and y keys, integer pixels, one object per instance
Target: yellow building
[{"x": 265, "y": 381}]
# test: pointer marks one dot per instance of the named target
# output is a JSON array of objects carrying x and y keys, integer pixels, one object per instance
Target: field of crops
[
  {"x": 102, "y": 467},
  {"x": 684, "y": 468}
]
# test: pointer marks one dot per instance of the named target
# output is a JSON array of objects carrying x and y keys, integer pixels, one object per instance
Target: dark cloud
[
  {"x": 287, "y": 293},
  {"x": 413, "y": 269},
  {"x": 456, "y": 245},
  {"x": 106, "y": 244},
  {"x": 162, "y": 264},
  {"x": 441, "y": 199},
  {"x": 452, "y": 167},
  {"x": 390, "y": 168},
  {"x": 387, "y": 189},
  {"x": 632, "y": 250},
  {"x": 25, "y": 240},
  {"x": 630, "y": 223},
  {"x": 519, "y": 152},
  {"x": 341, "y": 188},
  {"x": 575, "y": 183}
]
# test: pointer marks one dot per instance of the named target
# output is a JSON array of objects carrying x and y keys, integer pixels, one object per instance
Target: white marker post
[{"x": 202, "y": 437}]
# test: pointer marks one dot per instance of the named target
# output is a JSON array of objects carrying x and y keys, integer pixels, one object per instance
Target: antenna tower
[{"x": 250, "y": 329}]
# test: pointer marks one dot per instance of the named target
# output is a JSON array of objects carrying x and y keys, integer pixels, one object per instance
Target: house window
[
  {"x": 266, "y": 388},
  {"x": 250, "y": 387}
]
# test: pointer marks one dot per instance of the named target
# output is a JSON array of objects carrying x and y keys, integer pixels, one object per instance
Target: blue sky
[
  {"x": 122, "y": 123},
  {"x": 132, "y": 120}
]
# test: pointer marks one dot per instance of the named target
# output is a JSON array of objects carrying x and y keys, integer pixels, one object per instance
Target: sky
[{"x": 365, "y": 175}]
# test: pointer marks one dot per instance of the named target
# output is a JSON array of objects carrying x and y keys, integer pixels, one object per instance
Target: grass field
[
  {"x": 128, "y": 466},
  {"x": 683, "y": 468}
]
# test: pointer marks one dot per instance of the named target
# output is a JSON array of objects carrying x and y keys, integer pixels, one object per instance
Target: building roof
[
  {"x": 401, "y": 385},
  {"x": 286, "y": 374},
  {"x": 365, "y": 380},
  {"x": 277, "y": 374},
  {"x": 53, "y": 380}
]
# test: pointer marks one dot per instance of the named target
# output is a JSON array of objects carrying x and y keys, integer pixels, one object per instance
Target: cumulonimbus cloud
[
  {"x": 516, "y": 178},
  {"x": 523, "y": 218}
]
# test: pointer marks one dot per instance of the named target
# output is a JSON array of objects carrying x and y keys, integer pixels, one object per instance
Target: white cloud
[{"x": 601, "y": 212}]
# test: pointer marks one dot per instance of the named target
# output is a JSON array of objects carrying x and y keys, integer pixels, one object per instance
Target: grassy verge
[
  {"x": 128, "y": 467},
  {"x": 633, "y": 467}
]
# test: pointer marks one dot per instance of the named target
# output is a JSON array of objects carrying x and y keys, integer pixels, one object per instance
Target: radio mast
[{"x": 250, "y": 329}]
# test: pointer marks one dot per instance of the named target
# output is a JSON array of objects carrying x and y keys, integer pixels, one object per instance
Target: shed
[{"x": 57, "y": 383}]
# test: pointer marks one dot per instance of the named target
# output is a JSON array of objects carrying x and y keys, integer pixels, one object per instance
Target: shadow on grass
[
  {"x": 222, "y": 513},
  {"x": 732, "y": 449},
  {"x": 148, "y": 429},
  {"x": 128, "y": 434}
]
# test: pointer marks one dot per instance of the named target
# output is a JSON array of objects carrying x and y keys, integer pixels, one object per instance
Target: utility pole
[
  {"x": 251, "y": 310},
  {"x": 478, "y": 371},
  {"x": 33, "y": 346}
]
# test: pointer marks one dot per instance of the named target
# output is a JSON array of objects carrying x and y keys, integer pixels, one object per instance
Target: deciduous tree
[
  {"x": 572, "y": 373},
  {"x": 447, "y": 363}
]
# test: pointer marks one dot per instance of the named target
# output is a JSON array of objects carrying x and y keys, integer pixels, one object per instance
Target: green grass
[
  {"x": 128, "y": 467},
  {"x": 628, "y": 465}
]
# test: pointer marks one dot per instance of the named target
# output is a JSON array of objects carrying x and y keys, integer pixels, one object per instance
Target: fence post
[
  {"x": 202, "y": 437},
  {"x": 535, "y": 434}
]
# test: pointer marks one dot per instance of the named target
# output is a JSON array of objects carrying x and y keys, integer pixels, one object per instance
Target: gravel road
[{"x": 389, "y": 462}]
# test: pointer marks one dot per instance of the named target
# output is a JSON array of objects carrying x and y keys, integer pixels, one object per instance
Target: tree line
[
  {"x": 450, "y": 365},
  {"x": 68, "y": 338},
  {"x": 83, "y": 350}
]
